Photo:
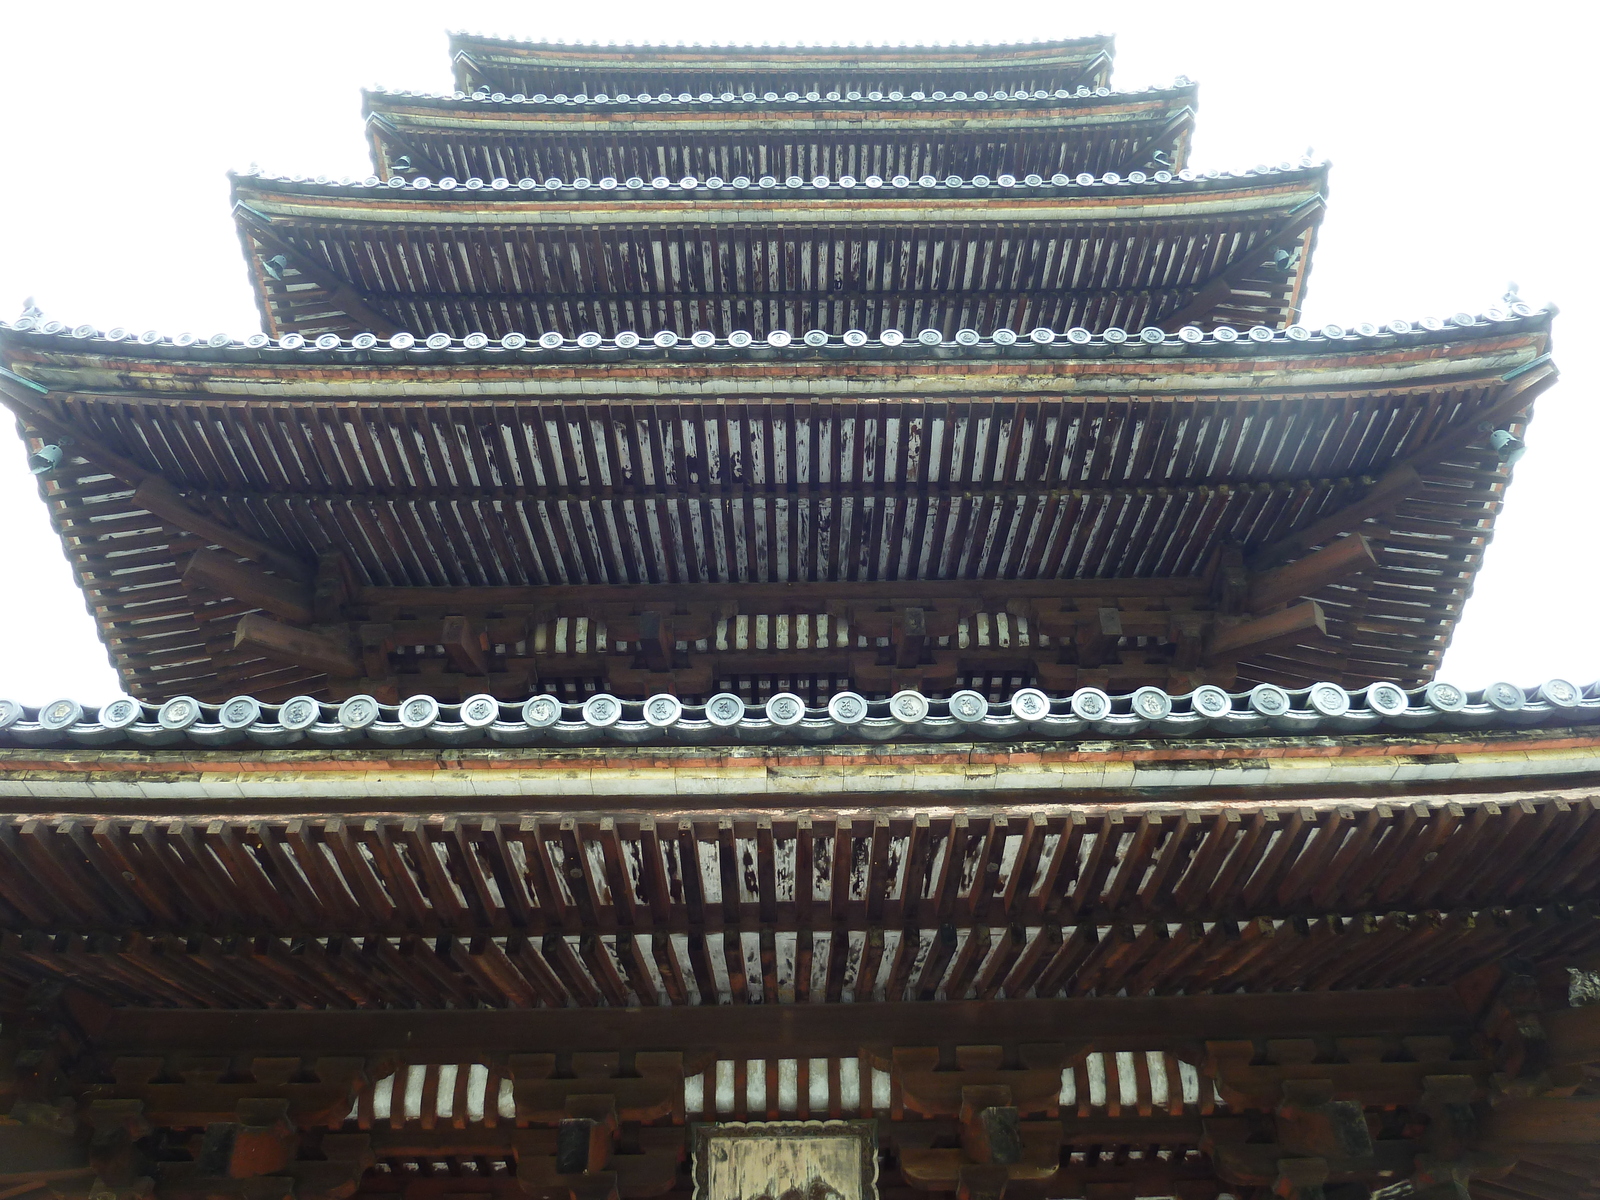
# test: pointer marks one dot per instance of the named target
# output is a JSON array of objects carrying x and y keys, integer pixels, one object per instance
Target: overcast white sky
[{"x": 1461, "y": 136}]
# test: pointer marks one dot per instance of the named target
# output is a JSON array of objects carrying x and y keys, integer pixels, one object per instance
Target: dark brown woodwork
[
  {"x": 307, "y": 648},
  {"x": 1253, "y": 259},
  {"x": 767, "y": 1031},
  {"x": 349, "y": 299},
  {"x": 1288, "y": 627},
  {"x": 226, "y": 575},
  {"x": 1390, "y": 489},
  {"x": 1337, "y": 560}
]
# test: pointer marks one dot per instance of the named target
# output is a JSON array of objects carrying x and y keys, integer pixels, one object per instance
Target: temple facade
[{"x": 791, "y": 623}]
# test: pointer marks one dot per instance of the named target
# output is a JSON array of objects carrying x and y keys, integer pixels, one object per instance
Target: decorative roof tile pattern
[
  {"x": 1264, "y": 711},
  {"x": 782, "y": 344}
]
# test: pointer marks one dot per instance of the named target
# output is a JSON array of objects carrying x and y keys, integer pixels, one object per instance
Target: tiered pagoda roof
[
  {"x": 781, "y": 583},
  {"x": 1085, "y": 494},
  {"x": 509, "y": 66},
  {"x": 490, "y": 134},
  {"x": 792, "y": 255}
]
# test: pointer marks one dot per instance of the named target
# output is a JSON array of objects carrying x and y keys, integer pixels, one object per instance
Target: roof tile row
[{"x": 1265, "y": 710}]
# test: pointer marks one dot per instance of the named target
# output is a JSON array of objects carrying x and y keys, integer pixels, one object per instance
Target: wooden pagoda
[{"x": 791, "y": 622}]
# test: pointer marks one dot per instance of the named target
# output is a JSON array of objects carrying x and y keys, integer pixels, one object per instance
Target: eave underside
[
  {"x": 831, "y": 275},
  {"x": 510, "y": 68},
  {"x": 627, "y": 905},
  {"x": 647, "y": 155},
  {"x": 745, "y": 495},
  {"x": 1150, "y": 983}
]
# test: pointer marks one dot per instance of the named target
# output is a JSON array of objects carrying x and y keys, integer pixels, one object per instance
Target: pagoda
[{"x": 791, "y": 622}]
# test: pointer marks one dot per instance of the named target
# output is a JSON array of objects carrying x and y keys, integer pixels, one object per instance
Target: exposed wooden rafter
[
  {"x": 352, "y": 302},
  {"x": 1218, "y": 287}
]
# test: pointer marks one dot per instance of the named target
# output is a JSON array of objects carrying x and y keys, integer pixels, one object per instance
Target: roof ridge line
[
  {"x": 1031, "y": 713},
  {"x": 461, "y": 35},
  {"x": 1076, "y": 341},
  {"x": 1294, "y": 169},
  {"x": 484, "y": 95}
]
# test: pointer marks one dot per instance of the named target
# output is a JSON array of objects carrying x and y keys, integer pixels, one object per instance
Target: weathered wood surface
[
  {"x": 1428, "y": 868},
  {"x": 610, "y": 261},
  {"x": 1008, "y": 494},
  {"x": 441, "y": 136}
]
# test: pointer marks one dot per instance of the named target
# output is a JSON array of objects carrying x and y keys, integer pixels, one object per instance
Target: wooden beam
[
  {"x": 1159, "y": 140},
  {"x": 1574, "y": 1035},
  {"x": 1393, "y": 486},
  {"x": 1544, "y": 1120},
  {"x": 1288, "y": 627},
  {"x": 30, "y": 402},
  {"x": 1219, "y": 285},
  {"x": 150, "y": 491},
  {"x": 819, "y": 597},
  {"x": 385, "y": 130},
  {"x": 466, "y": 645},
  {"x": 286, "y": 598},
  {"x": 789, "y": 1030},
  {"x": 155, "y": 495},
  {"x": 1521, "y": 386},
  {"x": 300, "y": 647},
  {"x": 1337, "y": 560},
  {"x": 355, "y": 305}
]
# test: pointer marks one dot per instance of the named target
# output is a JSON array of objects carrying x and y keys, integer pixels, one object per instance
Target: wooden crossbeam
[
  {"x": 1338, "y": 560},
  {"x": 1288, "y": 627},
  {"x": 814, "y": 597},
  {"x": 787, "y": 1031},
  {"x": 151, "y": 492},
  {"x": 354, "y": 304},
  {"x": 224, "y": 574},
  {"x": 1222, "y": 283},
  {"x": 299, "y": 647}
]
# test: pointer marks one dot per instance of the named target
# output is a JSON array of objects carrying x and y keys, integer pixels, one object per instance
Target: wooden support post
[
  {"x": 1337, "y": 560},
  {"x": 1104, "y": 634},
  {"x": 655, "y": 640},
  {"x": 334, "y": 585},
  {"x": 1230, "y": 581},
  {"x": 1288, "y": 627},
  {"x": 226, "y": 575},
  {"x": 314, "y": 650}
]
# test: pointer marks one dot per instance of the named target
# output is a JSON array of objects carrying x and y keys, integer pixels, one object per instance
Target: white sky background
[{"x": 1461, "y": 136}]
